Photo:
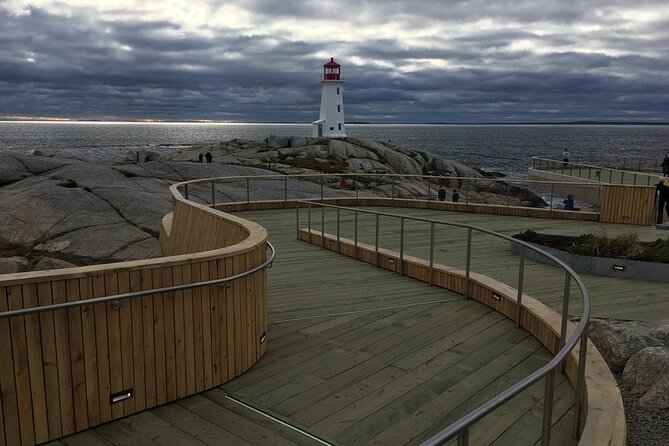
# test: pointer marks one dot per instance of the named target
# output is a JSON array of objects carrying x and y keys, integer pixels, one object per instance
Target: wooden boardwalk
[{"x": 357, "y": 355}]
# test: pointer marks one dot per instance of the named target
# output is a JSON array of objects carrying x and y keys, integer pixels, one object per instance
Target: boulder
[
  {"x": 343, "y": 150},
  {"x": 11, "y": 169},
  {"x": 48, "y": 263},
  {"x": 277, "y": 142},
  {"x": 657, "y": 397},
  {"x": 14, "y": 264},
  {"x": 617, "y": 342},
  {"x": 298, "y": 141},
  {"x": 647, "y": 373}
]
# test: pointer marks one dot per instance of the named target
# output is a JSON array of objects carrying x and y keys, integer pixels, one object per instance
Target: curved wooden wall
[
  {"x": 59, "y": 369},
  {"x": 602, "y": 407}
]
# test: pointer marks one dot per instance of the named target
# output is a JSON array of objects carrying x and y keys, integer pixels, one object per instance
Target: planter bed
[{"x": 601, "y": 266}]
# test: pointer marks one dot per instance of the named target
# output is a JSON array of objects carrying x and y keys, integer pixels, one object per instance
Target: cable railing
[
  {"x": 638, "y": 163},
  {"x": 508, "y": 193},
  {"x": 623, "y": 175},
  {"x": 461, "y": 427}
]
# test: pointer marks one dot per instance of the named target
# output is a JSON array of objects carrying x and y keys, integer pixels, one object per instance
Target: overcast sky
[{"x": 403, "y": 60}]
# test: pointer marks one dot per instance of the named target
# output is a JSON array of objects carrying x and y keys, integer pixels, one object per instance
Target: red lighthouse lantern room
[{"x": 331, "y": 71}]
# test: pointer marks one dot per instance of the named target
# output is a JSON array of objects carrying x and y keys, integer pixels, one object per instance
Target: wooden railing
[{"x": 63, "y": 370}]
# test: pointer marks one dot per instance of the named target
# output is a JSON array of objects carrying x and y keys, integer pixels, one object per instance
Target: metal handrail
[
  {"x": 119, "y": 297},
  {"x": 556, "y": 163},
  {"x": 461, "y": 426},
  {"x": 465, "y": 186}
]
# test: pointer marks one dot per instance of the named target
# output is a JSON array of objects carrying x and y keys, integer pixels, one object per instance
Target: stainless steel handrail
[
  {"x": 461, "y": 426},
  {"x": 555, "y": 163},
  {"x": 119, "y": 297}
]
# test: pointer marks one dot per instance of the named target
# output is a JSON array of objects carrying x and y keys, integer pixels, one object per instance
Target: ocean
[{"x": 497, "y": 148}]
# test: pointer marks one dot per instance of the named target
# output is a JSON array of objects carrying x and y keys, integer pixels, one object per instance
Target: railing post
[
  {"x": 376, "y": 242},
  {"x": 431, "y": 252},
  {"x": 580, "y": 384},
  {"x": 466, "y": 195},
  {"x": 186, "y": 191},
  {"x": 469, "y": 261},
  {"x": 213, "y": 193},
  {"x": 297, "y": 219},
  {"x": 248, "y": 191},
  {"x": 635, "y": 178},
  {"x": 565, "y": 313},
  {"x": 322, "y": 226},
  {"x": 401, "y": 246},
  {"x": 355, "y": 235},
  {"x": 338, "y": 250},
  {"x": 309, "y": 220},
  {"x": 521, "y": 273},
  {"x": 463, "y": 437},
  {"x": 548, "y": 409}
]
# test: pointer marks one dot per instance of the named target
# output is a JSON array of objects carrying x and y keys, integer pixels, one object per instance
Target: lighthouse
[{"x": 330, "y": 123}]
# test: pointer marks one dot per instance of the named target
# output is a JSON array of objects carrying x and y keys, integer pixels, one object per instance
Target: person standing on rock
[
  {"x": 200, "y": 158},
  {"x": 209, "y": 157},
  {"x": 565, "y": 157},
  {"x": 663, "y": 199},
  {"x": 442, "y": 193},
  {"x": 456, "y": 196},
  {"x": 665, "y": 165}
]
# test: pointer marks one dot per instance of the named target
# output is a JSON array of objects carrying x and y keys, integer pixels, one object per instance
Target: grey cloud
[{"x": 81, "y": 68}]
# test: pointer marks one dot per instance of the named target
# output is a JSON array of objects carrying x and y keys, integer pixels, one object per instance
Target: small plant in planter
[{"x": 626, "y": 246}]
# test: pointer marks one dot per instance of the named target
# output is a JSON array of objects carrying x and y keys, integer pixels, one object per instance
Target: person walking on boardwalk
[
  {"x": 442, "y": 193},
  {"x": 663, "y": 199},
  {"x": 665, "y": 165}
]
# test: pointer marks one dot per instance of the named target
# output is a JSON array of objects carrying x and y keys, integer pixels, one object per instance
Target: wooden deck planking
[{"x": 357, "y": 355}]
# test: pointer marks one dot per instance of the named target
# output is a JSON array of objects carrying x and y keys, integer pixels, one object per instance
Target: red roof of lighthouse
[{"x": 332, "y": 64}]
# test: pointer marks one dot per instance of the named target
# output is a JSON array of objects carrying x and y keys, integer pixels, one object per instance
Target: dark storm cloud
[{"x": 85, "y": 65}]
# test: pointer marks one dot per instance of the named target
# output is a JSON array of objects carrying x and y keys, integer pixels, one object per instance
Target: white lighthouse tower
[{"x": 330, "y": 123}]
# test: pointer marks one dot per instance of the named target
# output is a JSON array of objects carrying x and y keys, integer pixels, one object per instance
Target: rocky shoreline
[{"x": 86, "y": 212}]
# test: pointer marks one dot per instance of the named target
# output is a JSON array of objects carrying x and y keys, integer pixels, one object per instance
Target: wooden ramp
[{"x": 358, "y": 355}]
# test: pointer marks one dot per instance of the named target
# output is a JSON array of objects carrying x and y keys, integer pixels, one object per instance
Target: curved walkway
[{"x": 357, "y": 355}]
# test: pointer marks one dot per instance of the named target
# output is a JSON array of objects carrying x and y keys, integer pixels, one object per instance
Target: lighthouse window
[
  {"x": 331, "y": 128},
  {"x": 338, "y": 108},
  {"x": 340, "y": 126},
  {"x": 337, "y": 90}
]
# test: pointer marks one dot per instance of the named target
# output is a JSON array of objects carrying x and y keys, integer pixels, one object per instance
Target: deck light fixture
[
  {"x": 619, "y": 267},
  {"x": 120, "y": 396}
]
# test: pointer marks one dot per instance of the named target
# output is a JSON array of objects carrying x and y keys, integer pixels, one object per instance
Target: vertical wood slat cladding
[
  {"x": 628, "y": 204},
  {"x": 58, "y": 369}
]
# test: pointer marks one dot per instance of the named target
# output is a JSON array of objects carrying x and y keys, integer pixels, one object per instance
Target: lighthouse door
[{"x": 320, "y": 130}]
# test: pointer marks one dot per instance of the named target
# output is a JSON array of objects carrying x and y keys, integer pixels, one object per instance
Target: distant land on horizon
[{"x": 207, "y": 121}]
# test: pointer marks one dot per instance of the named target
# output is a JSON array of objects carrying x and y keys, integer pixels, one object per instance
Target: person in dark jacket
[
  {"x": 663, "y": 199},
  {"x": 665, "y": 165},
  {"x": 208, "y": 157},
  {"x": 442, "y": 193},
  {"x": 456, "y": 196}
]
